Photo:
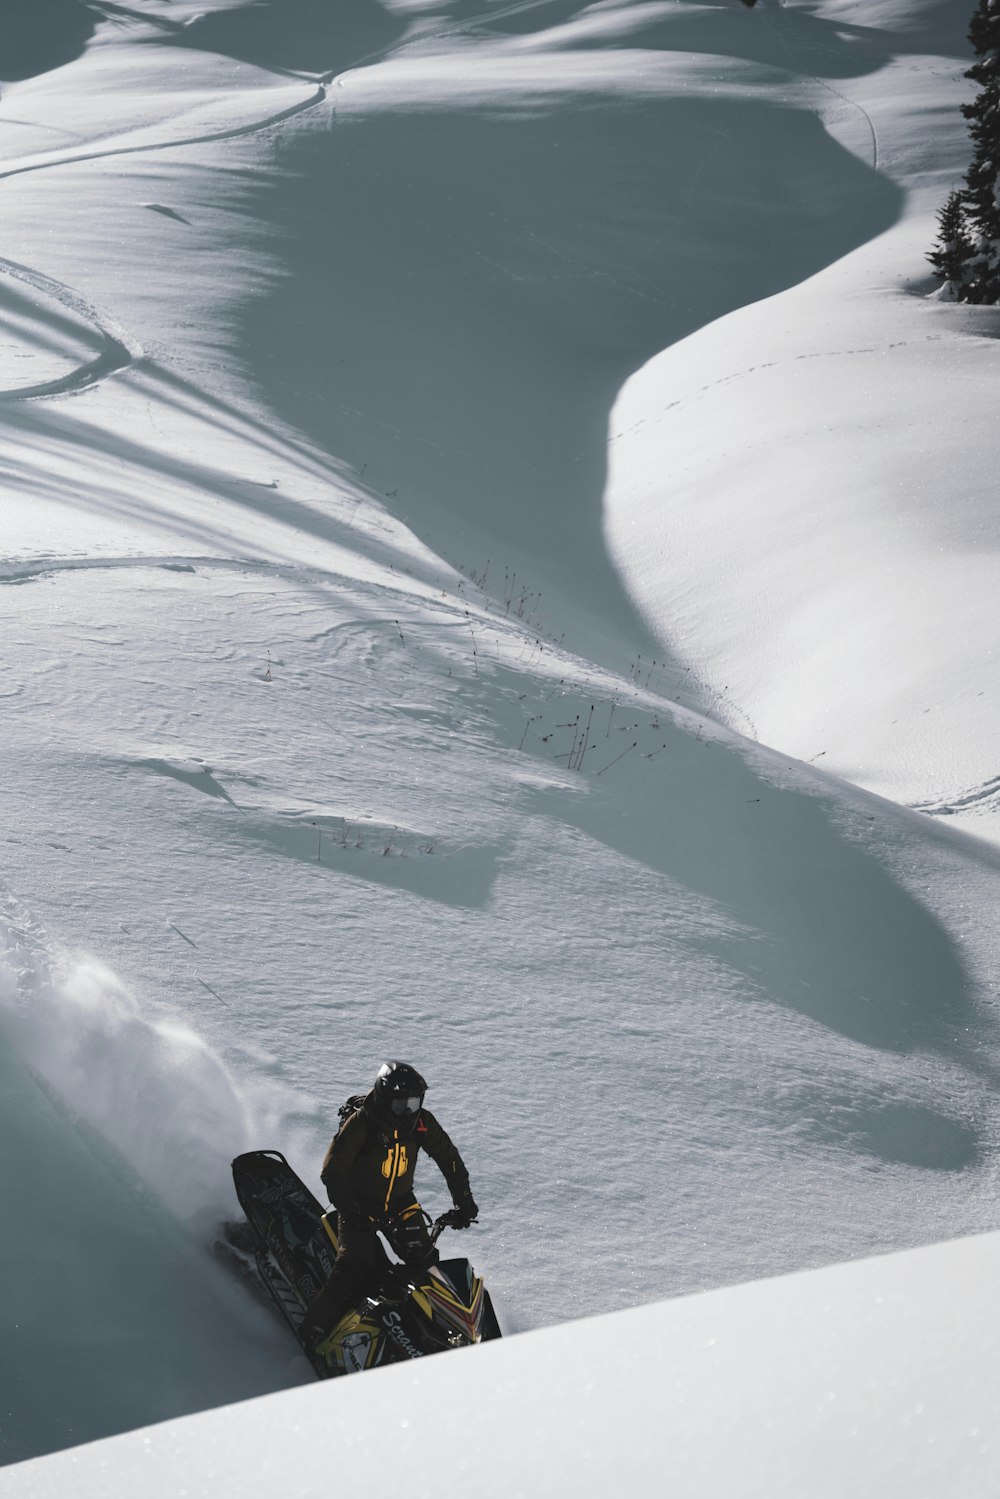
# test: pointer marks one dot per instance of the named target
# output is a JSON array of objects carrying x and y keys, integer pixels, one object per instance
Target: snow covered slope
[
  {"x": 331, "y": 729},
  {"x": 874, "y": 1379},
  {"x": 802, "y": 495}
]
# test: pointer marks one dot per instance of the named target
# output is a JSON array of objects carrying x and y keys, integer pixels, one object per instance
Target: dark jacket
[{"x": 369, "y": 1166}]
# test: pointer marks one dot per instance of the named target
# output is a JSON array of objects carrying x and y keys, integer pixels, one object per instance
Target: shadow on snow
[
  {"x": 316, "y": 36},
  {"x": 39, "y": 35},
  {"x": 464, "y": 291}
]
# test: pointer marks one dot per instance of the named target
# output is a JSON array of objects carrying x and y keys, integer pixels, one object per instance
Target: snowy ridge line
[{"x": 120, "y": 351}]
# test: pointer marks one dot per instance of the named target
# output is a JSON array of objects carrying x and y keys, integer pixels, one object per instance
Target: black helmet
[{"x": 399, "y": 1092}]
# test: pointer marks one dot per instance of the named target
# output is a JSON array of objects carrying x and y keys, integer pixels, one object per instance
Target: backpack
[{"x": 347, "y": 1108}]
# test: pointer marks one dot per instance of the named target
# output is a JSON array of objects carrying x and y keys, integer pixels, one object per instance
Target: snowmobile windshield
[{"x": 405, "y": 1108}]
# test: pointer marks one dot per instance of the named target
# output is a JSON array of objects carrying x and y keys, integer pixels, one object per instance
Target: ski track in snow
[
  {"x": 234, "y": 133},
  {"x": 120, "y": 352},
  {"x": 805, "y": 73}
]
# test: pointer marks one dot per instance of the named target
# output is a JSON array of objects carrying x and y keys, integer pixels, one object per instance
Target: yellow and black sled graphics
[{"x": 409, "y": 1312}]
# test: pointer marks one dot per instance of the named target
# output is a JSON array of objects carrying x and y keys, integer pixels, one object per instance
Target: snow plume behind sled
[{"x": 150, "y": 1088}]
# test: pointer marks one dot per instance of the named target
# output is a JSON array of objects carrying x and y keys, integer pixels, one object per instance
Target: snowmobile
[{"x": 410, "y": 1311}]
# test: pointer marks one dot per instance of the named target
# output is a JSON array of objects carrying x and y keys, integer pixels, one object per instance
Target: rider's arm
[
  {"x": 340, "y": 1158},
  {"x": 445, "y": 1156}
]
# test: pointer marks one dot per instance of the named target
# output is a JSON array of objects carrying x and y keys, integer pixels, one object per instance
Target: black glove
[
  {"x": 465, "y": 1212},
  {"x": 353, "y": 1217}
]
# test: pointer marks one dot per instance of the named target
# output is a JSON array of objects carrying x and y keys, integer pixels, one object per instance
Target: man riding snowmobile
[{"x": 368, "y": 1175}]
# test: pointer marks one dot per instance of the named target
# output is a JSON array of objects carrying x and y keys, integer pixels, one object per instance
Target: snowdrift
[{"x": 875, "y": 1379}]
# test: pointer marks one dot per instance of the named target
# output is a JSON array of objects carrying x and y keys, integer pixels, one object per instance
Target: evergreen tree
[
  {"x": 967, "y": 256},
  {"x": 954, "y": 248}
]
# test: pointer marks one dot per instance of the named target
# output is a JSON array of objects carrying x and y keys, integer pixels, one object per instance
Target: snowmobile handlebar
[
  {"x": 413, "y": 1254},
  {"x": 435, "y": 1226},
  {"x": 451, "y": 1219}
]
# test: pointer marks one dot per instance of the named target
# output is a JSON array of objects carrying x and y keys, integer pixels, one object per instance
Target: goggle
[{"x": 403, "y": 1106}]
